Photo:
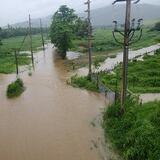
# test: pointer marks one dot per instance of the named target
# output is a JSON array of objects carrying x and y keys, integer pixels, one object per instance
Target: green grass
[
  {"x": 104, "y": 41},
  {"x": 15, "y": 42},
  {"x": 7, "y": 60},
  {"x": 136, "y": 133},
  {"x": 84, "y": 83},
  {"x": 143, "y": 76},
  {"x": 7, "y": 63},
  {"x": 15, "y": 89}
]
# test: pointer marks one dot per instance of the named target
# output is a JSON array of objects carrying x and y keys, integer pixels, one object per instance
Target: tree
[
  {"x": 81, "y": 28},
  {"x": 62, "y": 29}
]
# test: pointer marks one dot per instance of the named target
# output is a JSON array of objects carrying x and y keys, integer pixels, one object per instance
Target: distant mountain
[
  {"x": 35, "y": 22},
  {"x": 104, "y": 16}
]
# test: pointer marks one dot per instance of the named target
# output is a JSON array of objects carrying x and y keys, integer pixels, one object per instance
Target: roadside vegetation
[
  {"x": 143, "y": 76},
  {"x": 15, "y": 89},
  {"x": 84, "y": 83},
  {"x": 136, "y": 133}
]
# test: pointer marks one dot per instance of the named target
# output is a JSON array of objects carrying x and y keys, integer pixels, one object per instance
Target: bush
[
  {"x": 15, "y": 89},
  {"x": 136, "y": 133}
]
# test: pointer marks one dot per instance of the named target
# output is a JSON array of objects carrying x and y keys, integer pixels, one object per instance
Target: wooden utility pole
[
  {"x": 42, "y": 34},
  {"x": 89, "y": 37},
  {"x": 16, "y": 62},
  {"x": 125, "y": 55},
  {"x": 30, "y": 35}
]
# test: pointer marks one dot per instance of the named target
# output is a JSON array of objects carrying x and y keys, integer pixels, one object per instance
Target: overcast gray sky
[{"x": 12, "y": 11}]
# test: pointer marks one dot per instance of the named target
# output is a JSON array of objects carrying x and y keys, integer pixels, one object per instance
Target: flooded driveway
[{"x": 51, "y": 120}]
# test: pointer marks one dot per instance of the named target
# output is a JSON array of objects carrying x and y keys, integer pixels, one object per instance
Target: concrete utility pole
[
  {"x": 42, "y": 34},
  {"x": 89, "y": 37},
  {"x": 16, "y": 62},
  {"x": 30, "y": 35},
  {"x": 128, "y": 35},
  {"x": 125, "y": 55}
]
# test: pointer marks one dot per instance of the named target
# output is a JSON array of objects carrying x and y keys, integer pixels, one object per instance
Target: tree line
[{"x": 13, "y": 32}]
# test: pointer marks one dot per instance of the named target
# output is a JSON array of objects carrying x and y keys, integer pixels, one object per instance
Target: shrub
[{"x": 15, "y": 88}]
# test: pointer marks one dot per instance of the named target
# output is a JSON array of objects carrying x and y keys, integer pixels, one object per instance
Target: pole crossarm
[
  {"x": 136, "y": 1},
  {"x": 128, "y": 34}
]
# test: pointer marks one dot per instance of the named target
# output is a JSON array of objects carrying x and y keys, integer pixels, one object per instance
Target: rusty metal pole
[{"x": 125, "y": 54}]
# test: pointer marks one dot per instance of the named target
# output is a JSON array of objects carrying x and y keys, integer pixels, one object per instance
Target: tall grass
[{"x": 136, "y": 133}]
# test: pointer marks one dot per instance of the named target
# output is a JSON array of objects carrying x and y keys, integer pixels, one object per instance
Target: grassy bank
[
  {"x": 143, "y": 76},
  {"x": 84, "y": 83},
  {"x": 136, "y": 133},
  {"x": 7, "y": 59}
]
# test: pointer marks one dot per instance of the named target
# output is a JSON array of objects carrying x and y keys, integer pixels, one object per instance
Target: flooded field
[{"x": 51, "y": 120}]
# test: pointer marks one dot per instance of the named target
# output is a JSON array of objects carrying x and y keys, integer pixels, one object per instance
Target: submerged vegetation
[
  {"x": 136, "y": 133},
  {"x": 15, "y": 89}
]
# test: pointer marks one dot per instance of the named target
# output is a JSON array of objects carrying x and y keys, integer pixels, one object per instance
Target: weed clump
[{"x": 15, "y": 89}]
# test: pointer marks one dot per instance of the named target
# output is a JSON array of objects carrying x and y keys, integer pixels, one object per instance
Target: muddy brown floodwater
[{"x": 51, "y": 120}]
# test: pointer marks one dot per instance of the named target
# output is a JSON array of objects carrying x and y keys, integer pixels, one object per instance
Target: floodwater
[
  {"x": 50, "y": 120},
  {"x": 147, "y": 97},
  {"x": 73, "y": 55},
  {"x": 110, "y": 63}
]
